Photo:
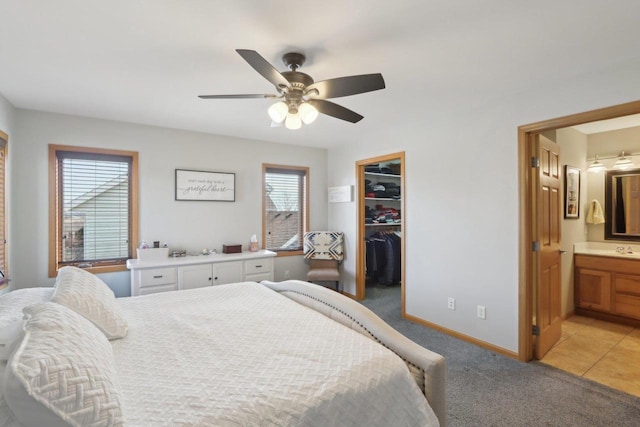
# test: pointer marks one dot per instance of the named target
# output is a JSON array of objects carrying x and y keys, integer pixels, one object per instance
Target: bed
[{"x": 241, "y": 354}]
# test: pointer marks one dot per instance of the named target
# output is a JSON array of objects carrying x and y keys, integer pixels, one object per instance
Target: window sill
[{"x": 101, "y": 269}]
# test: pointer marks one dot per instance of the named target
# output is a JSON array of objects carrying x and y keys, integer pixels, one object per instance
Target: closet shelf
[
  {"x": 384, "y": 224},
  {"x": 382, "y": 174},
  {"x": 383, "y": 198}
]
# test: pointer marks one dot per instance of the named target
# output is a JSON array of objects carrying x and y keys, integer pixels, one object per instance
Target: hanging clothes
[{"x": 383, "y": 258}]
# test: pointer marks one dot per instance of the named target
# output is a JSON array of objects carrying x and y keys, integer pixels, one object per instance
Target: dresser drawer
[
  {"x": 157, "y": 276},
  {"x": 628, "y": 284},
  {"x": 627, "y": 305},
  {"x": 160, "y": 288},
  {"x": 254, "y": 266}
]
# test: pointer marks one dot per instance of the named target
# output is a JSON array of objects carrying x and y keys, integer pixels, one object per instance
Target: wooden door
[{"x": 548, "y": 314}]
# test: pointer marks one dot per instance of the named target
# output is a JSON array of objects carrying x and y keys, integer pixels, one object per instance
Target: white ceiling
[
  {"x": 145, "y": 61},
  {"x": 609, "y": 125}
]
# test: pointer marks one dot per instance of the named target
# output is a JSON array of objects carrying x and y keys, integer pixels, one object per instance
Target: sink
[{"x": 605, "y": 249}]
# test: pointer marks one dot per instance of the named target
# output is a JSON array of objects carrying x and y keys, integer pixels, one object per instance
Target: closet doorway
[{"x": 380, "y": 249}]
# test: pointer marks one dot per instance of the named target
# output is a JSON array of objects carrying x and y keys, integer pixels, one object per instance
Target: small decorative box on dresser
[{"x": 170, "y": 274}]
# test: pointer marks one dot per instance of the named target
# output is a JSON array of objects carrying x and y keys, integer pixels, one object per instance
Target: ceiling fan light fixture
[
  {"x": 623, "y": 163},
  {"x": 293, "y": 121},
  {"x": 308, "y": 113},
  {"x": 278, "y": 111},
  {"x": 295, "y": 89},
  {"x": 596, "y": 166}
]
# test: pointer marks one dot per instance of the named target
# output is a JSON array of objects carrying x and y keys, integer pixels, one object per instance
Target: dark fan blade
[
  {"x": 345, "y": 86},
  {"x": 251, "y": 95},
  {"x": 335, "y": 110},
  {"x": 262, "y": 66}
]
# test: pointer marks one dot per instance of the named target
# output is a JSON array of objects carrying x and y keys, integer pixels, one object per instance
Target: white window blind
[
  {"x": 285, "y": 204},
  {"x": 94, "y": 208}
]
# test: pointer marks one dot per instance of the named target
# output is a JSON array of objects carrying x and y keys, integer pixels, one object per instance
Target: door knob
[{"x": 562, "y": 252}]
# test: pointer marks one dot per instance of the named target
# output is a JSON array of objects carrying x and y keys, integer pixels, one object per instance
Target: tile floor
[{"x": 605, "y": 352}]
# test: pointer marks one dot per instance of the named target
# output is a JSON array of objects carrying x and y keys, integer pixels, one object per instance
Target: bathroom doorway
[{"x": 529, "y": 280}]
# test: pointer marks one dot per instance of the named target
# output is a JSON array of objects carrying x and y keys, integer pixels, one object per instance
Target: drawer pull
[
  {"x": 158, "y": 277},
  {"x": 259, "y": 266}
]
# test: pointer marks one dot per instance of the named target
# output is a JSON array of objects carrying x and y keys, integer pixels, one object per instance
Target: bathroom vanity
[{"x": 607, "y": 282}]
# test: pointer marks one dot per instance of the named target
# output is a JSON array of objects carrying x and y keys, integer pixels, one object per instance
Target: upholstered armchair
[{"x": 324, "y": 251}]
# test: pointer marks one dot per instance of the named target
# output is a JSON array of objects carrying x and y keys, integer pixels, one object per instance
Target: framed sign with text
[{"x": 205, "y": 186}]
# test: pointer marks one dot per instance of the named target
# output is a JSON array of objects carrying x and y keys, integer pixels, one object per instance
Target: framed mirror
[{"x": 622, "y": 205}]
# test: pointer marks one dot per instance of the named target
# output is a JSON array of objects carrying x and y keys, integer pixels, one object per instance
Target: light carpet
[{"x": 488, "y": 389}]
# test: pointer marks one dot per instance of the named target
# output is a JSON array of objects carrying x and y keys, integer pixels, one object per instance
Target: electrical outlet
[
  {"x": 451, "y": 303},
  {"x": 287, "y": 275},
  {"x": 482, "y": 312}
]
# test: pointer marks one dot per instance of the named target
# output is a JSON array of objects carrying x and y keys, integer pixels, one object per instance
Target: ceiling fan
[{"x": 301, "y": 99}]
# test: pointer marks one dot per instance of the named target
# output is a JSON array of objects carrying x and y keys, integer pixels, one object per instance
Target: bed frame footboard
[{"x": 428, "y": 368}]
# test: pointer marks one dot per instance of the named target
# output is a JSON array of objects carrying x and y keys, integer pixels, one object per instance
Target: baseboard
[{"x": 462, "y": 337}]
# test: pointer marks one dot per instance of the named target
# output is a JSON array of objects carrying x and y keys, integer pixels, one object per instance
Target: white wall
[
  {"x": 6, "y": 115},
  {"x": 461, "y": 218},
  {"x": 573, "y": 152},
  {"x": 189, "y": 225}
]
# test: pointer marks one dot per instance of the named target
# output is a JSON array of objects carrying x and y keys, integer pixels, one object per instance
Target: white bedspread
[{"x": 243, "y": 355}]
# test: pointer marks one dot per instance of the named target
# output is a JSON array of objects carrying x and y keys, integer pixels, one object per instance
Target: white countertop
[
  {"x": 133, "y": 264},
  {"x": 606, "y": 249}
]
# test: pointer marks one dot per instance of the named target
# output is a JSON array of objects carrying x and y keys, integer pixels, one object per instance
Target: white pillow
[
  {"x": 9, "y": 334},
  {"x": 89, "y": 296},
  {"x": 12, "y": 303},
  {"x": 62, "y": 373}
]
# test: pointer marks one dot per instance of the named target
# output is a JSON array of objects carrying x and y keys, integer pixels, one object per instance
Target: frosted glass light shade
[
  {"x": 293, "y": 121},
  {"x": 278, "y": 111},
  {"x": 623, "y": 163},
  {"x": 308, "y": 113},
  {"x": 596, "y": 166}
]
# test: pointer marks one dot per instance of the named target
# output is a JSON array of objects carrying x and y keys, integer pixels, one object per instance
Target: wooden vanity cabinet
[
  {"x": 627, "y": 296},
  {"x": 607, "y": 288},
  {"x": 593, "y": 289}
]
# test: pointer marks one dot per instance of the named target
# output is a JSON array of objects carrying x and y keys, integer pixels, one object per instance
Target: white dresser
[{"x": 170, "y": 274}]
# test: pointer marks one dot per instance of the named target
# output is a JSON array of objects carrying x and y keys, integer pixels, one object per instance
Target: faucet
[{"x": 620, "y": 249}]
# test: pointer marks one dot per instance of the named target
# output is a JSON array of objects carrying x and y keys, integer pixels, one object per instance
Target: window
[
  {"x": 285, "y": 207},
  {"x": 93, "y": 203}
]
